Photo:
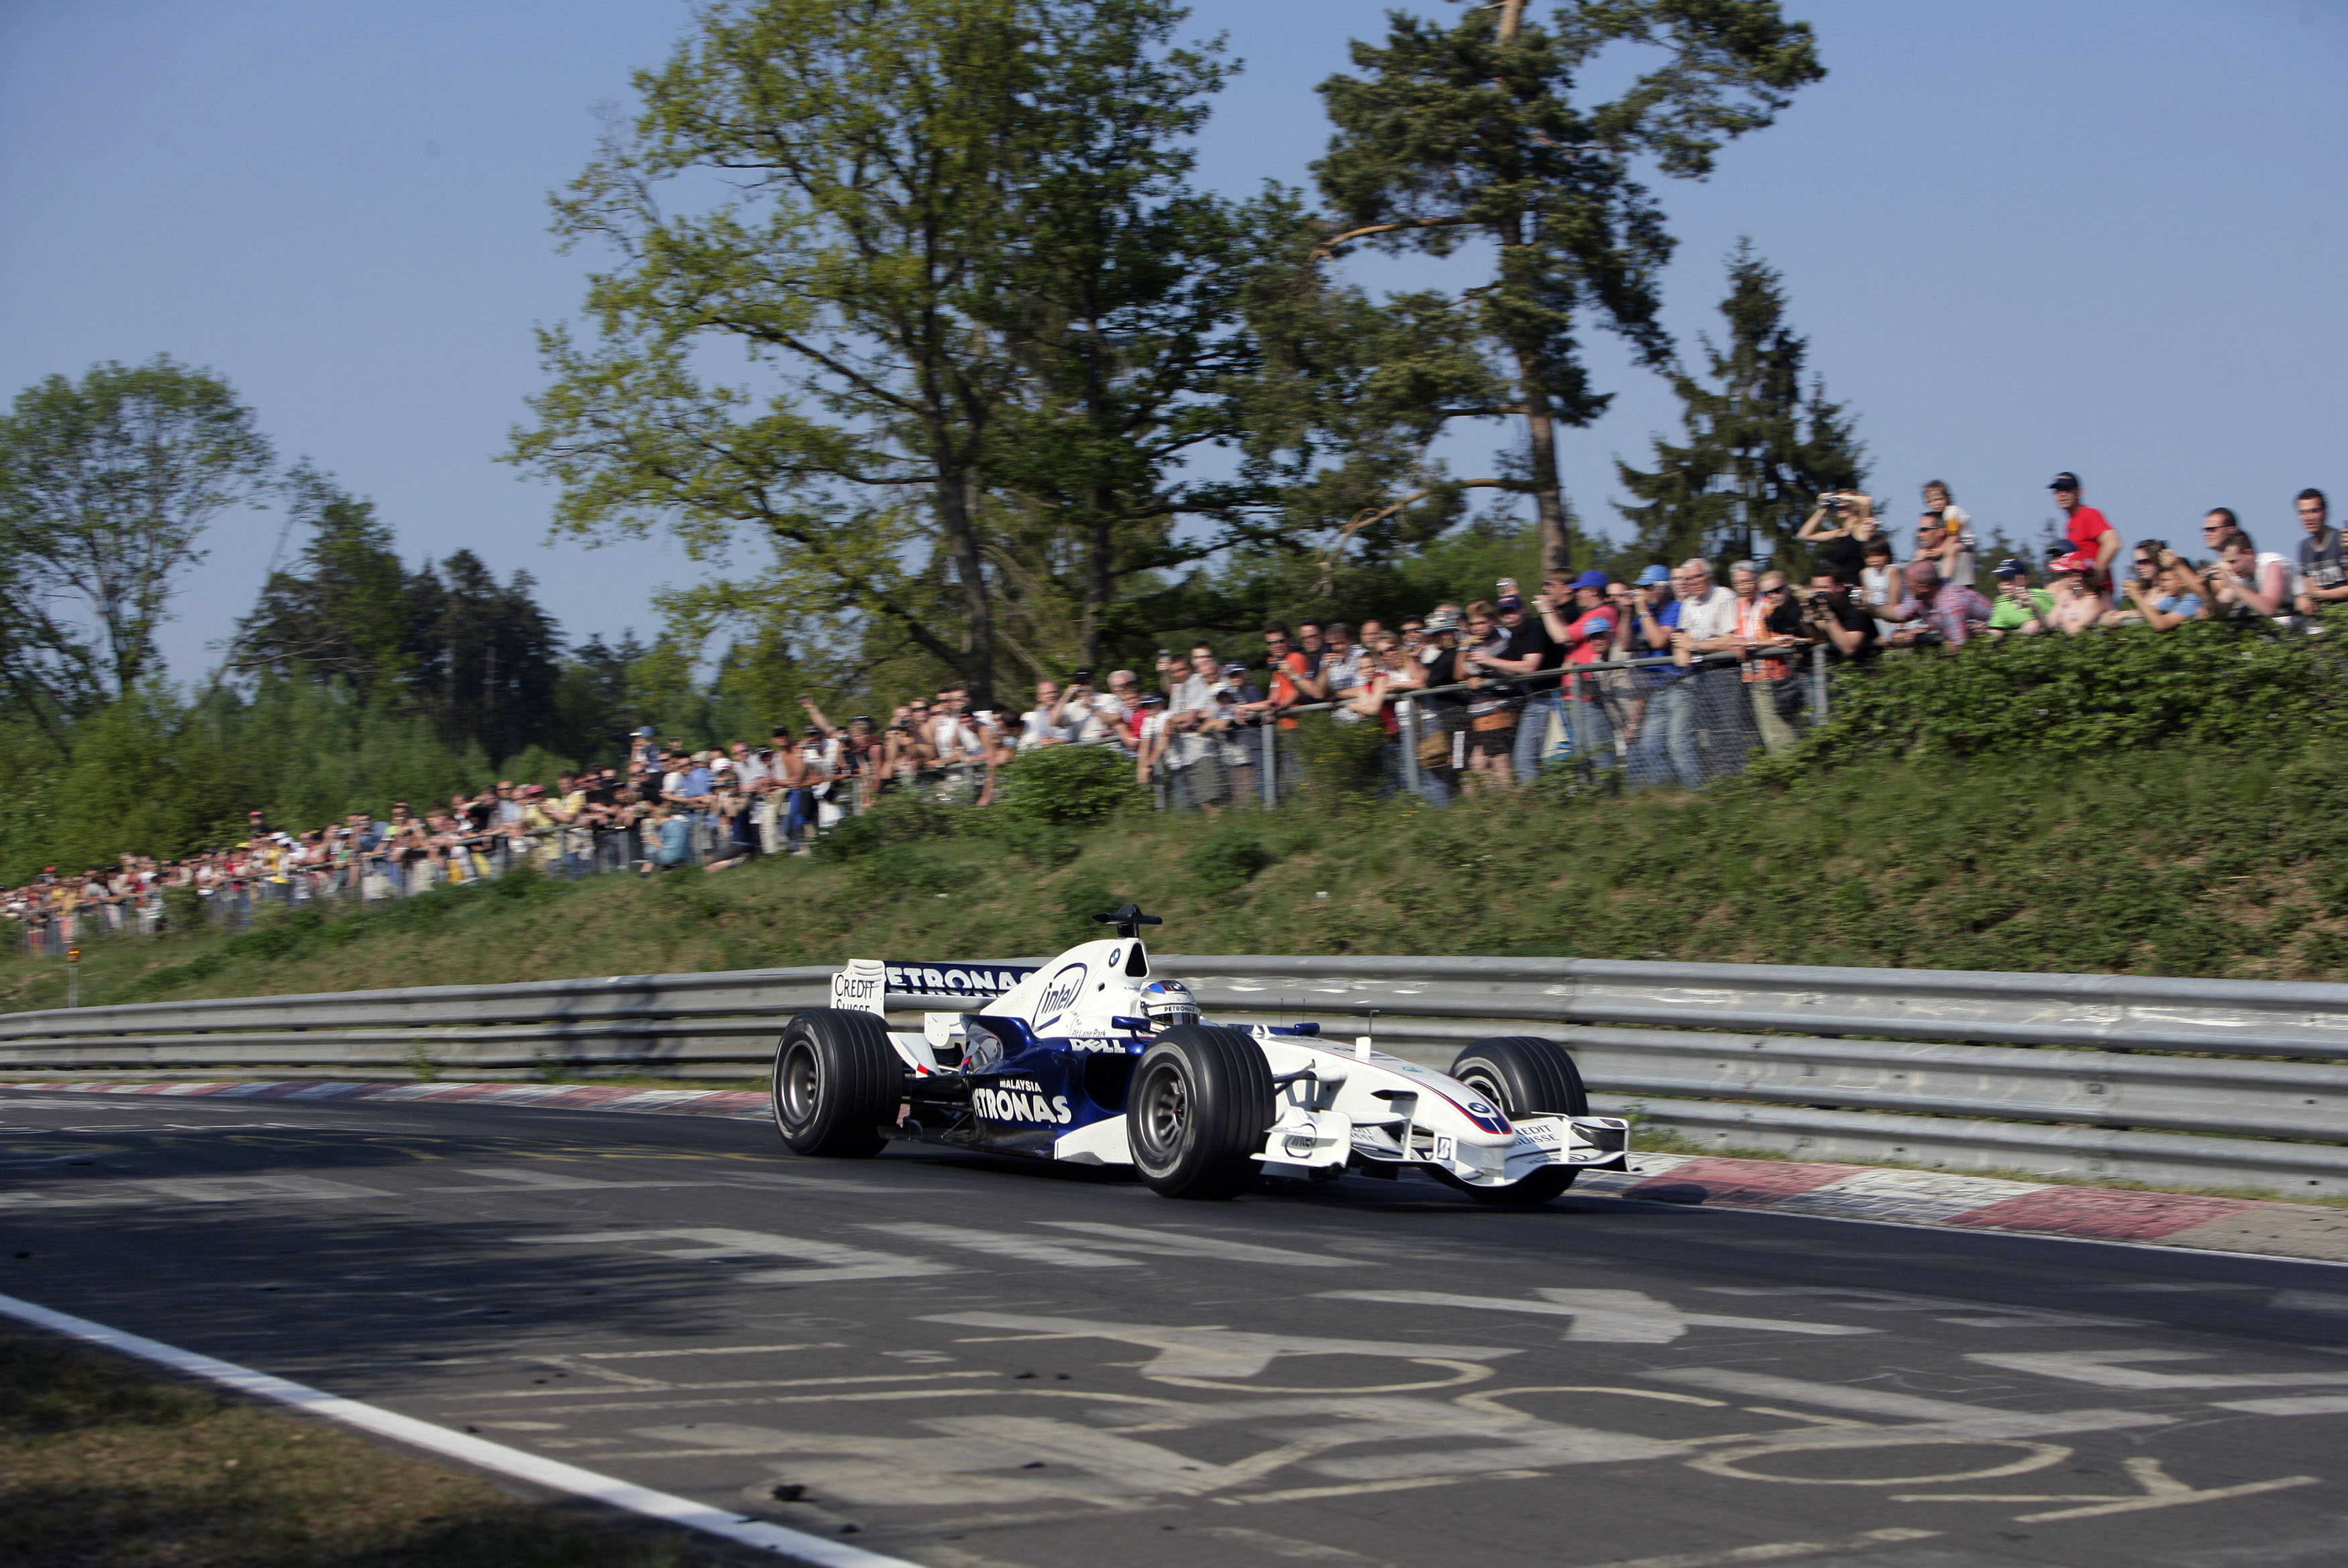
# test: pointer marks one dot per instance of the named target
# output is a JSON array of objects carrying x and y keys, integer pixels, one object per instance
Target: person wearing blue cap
[
  {"x": 1586, "y": 635},
  {"x": 1655, "y": 608}
]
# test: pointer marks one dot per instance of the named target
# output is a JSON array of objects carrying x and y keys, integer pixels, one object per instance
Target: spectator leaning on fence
[
  {"x": 1947, "y": 613},
  {"x": 2322, "y": 562},
  {"x": 2174, "y": 594},
  {"x": 2019, "y": 606},
  {"x": 1707, "y": 624},
  {"x": 1042, "y": 724},
  {"x": 1767, "y": 621},
  {"x": 1492, "y": 700},
  {"x": 2080, "y": 604},
  {"x": 2248, "y": 583},
  {"x": 1654, "y": 614},
  {"x": 1531, "y": 649},
  {"x": 1587, "y": 638},
  {"x": 1846, "y": 631}
]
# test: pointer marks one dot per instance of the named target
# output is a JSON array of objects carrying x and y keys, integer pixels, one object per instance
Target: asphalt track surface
[{"x": 966, "y": 1362}]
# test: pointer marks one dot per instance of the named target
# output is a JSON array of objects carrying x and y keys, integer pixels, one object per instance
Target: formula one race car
[{"x": 1093, "y": 1059}]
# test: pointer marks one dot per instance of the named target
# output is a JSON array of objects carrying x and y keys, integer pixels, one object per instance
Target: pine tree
[
  {"x": 1473, "y": 133},
  {"x": 485, "y": 656},
  {"x": 1760, "y": 446},
  {"x": 342, "y": 612}
]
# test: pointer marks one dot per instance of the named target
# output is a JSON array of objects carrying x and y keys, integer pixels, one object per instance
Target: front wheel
[
  {"x": 1199, "y": 1103},
  {"x": 838, "y": 1083},
  {"x": 1524, "y": 1075}
]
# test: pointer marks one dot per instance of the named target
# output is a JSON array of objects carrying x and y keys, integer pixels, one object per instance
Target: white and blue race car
[{"x": 1093, "y": 1059}]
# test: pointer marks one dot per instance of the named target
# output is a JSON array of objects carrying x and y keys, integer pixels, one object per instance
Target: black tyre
[
  {"x": 1524, "y": 1075},
  {"x": 838, "y": 1083},
  {"x": 1199, "y": 1103}
]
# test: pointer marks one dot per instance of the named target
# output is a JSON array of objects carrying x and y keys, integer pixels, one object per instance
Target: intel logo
[{"x": 1061, "y": 993}]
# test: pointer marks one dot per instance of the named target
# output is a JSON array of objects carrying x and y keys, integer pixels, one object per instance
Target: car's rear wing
[{"x": 866, "y": 984}]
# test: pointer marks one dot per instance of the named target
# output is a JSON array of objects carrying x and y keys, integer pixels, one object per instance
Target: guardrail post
[{"x": 1272, "y": 760}]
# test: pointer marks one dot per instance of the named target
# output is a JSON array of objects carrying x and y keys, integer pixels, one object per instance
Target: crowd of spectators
[{"x": 1672, "y": 675}]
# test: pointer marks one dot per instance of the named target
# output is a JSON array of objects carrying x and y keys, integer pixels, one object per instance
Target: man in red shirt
[{"x": 2088, "y": 528}]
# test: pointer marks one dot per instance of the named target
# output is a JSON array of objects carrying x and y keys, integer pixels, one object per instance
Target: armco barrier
[{"x": 2047, "y": 1073}]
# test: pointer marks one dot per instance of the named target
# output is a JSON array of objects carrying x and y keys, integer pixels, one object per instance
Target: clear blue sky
[{"x": 2022, "y": 237}]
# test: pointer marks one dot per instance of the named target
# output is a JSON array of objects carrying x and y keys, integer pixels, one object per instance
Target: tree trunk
[
  {"x": 1540, "y": 422},
  {"x": 1098, "y": 582},
  {"x": 958, "y": 511},
  {"x": 1549, "y": 496}
]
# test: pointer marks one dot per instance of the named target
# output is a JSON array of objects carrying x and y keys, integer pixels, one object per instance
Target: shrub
[
  {"x": 1340, "y": 760},
  {"x": 1067, "y": 785},
  {"x": 2203, "y": 685},
  {"x": 1227, "y": 861},
  {"x": 900, "y": 817}
]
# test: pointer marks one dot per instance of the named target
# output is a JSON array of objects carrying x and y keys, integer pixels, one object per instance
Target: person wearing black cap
[{"x": 2089, "y": 529}]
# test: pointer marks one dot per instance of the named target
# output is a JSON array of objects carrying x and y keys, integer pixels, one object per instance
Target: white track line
[{"x": 479, "y": 1452}]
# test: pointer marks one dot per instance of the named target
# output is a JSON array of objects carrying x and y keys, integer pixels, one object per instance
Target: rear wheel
[
  {"x": 1199, "y": 1104},
  {"x": 837, "y": 1082},
  {"x": 1524, "y": 1075}
]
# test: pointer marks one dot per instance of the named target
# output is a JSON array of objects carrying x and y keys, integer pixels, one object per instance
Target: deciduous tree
[
  {"x": 885, "y": 207},
  {"x": 106, "y": 484}
]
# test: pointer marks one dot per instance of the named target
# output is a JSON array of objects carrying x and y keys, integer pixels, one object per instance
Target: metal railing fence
[{"x": 2207, "y": 1083}]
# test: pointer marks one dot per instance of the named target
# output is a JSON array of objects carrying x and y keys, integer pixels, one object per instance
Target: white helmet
[{"x": 1166, "y": 1003}]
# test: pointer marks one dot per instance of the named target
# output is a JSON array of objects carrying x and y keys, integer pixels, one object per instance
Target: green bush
[
  {"x": 901, "y": 816},
  {"x": 1340, "y": 760},
  {"x": 1067, "y": 785},
  {"x": 2202, "y": 685},
  {"x": 1226, "y": 860}
]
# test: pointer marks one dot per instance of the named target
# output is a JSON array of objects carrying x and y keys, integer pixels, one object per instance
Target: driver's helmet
[{"x": 1166, "y": 1003}]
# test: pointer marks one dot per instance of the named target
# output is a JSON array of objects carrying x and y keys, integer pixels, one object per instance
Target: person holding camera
[
  {"x": 1835, "y": 619},
  {"x": 1841, "y": 526},
  {"x": 2018, "y": 607},
  {"x": 2247, "y": 581},
  {"x": 2165, "y": 592}
]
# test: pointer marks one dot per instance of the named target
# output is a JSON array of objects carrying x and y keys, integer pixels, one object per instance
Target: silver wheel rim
[
  {"x": 1164, "y": 1114},
  {"x": 1481, "y": 1082},
  {"x": 797, "y": 1085}
]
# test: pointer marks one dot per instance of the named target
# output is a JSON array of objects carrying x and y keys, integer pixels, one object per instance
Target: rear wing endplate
[{"x": 864, "y": 986}]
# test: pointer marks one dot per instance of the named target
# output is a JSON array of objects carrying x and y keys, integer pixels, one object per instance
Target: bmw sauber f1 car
[{"x": 1093, "y": 1059}]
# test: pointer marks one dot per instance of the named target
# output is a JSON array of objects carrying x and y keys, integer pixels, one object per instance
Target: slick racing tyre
[
  {"x": 1525, "y": 1076},
  {"x": 837, "y": 1082},
  {"x": 1198, "y": 1107}
]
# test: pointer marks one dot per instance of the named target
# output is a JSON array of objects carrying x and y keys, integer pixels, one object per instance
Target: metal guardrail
[{"x": 2039, "y": 1073}]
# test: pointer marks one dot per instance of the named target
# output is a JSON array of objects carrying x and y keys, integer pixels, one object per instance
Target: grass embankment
[
  {"x": 103, "y": 1462},
  {"x": 2220, "y": 863}
]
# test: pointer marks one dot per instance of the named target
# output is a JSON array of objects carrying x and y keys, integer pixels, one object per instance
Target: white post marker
[{"x": 480, "y": 1452}]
